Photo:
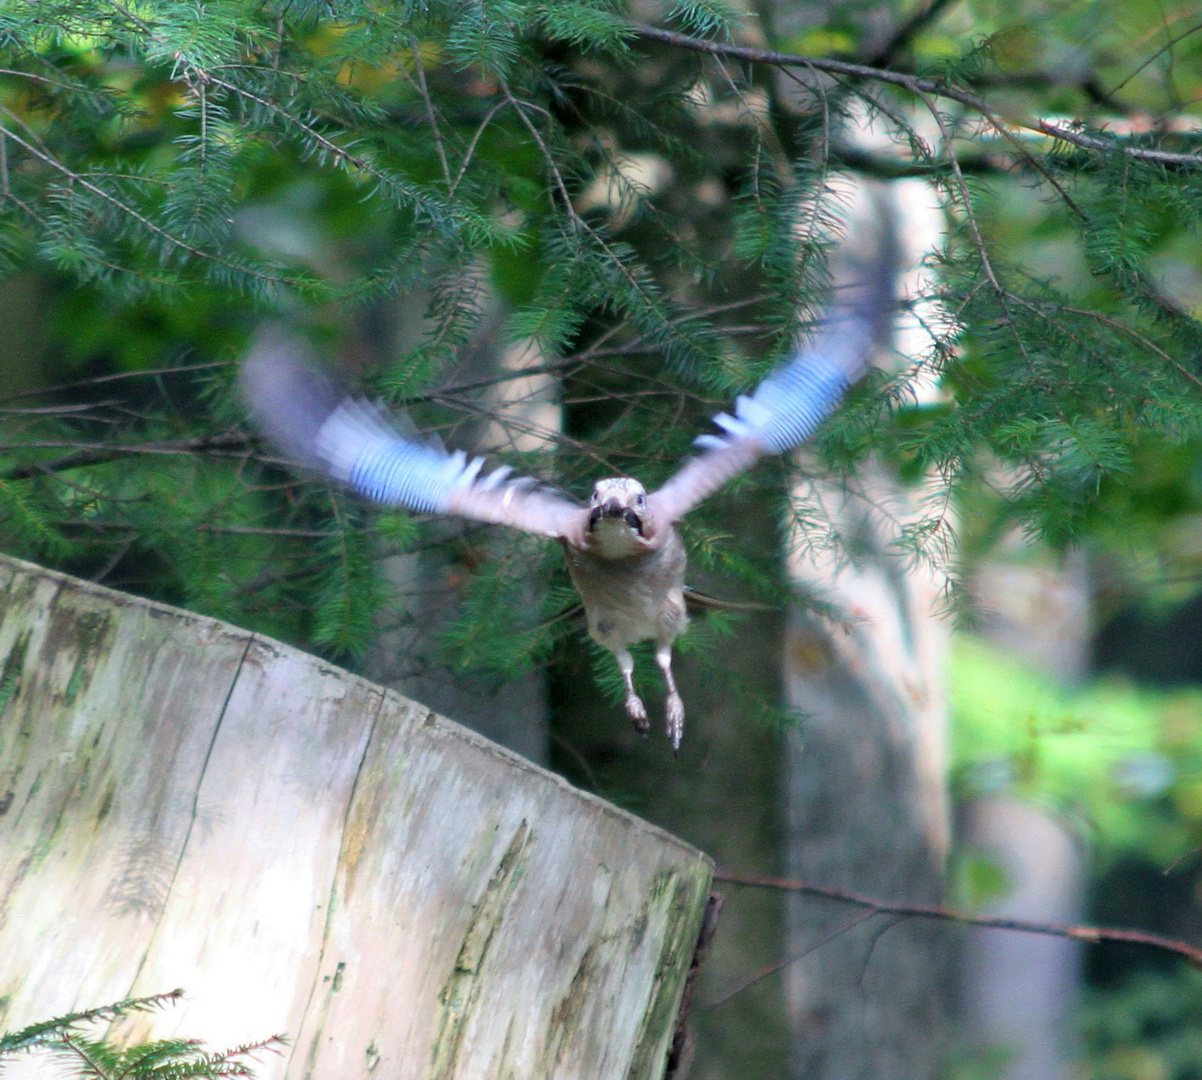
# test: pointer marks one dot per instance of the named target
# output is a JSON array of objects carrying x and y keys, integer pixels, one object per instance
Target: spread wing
[
  {"x": 790, "y": 403},
  {"x": 300, "y": 410}
]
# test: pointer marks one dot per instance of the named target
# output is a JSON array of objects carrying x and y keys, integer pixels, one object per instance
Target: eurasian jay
[{"x": 624, "y": 551}]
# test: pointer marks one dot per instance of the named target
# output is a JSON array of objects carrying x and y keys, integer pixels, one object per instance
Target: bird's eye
[{"x": 642, "y": 500}]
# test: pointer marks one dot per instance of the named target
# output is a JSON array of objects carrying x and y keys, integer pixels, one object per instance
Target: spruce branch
[
  {"x": 918, "y": 85},
  {"x": 177, "y": 1059},
  {"x": 49, "y": 1030},
  {"x": 74, "y": 177}
]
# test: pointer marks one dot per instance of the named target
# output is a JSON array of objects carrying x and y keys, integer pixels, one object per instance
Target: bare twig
[
  {"x": 471, "y": 146},
  {"x": 96, "y": 380},
  {"x": 907, "y": 30},
  {"x": 777, "y": 965},
  {"x": 1147, "y": 343},
  {"x": 1093, "y": 934},
  {"x": 423, "y": 90},
  {"x": 1168, "y": 45},
  {"x": 962, "y": 186}
]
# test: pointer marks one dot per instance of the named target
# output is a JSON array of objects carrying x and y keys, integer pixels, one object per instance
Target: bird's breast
[{"x": 633, "y": 598}]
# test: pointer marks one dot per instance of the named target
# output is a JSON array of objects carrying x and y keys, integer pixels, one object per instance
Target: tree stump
[{"x": 187, "y": 804}]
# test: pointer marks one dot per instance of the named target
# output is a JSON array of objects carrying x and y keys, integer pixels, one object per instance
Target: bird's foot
[
  {"x": 675, "y": 716},
  {"x": 637, "y": 712}
]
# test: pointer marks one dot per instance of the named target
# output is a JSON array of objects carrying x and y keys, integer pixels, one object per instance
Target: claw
[
  {"x": 638, "y": 714},
  {"x": 675, "y": 716}
]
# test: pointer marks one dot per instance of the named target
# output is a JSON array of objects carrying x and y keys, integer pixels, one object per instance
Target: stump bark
[{"x": 187, "y": 804}]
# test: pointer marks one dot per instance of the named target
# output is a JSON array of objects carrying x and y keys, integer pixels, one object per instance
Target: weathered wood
[{"x": 186, "y": 804}]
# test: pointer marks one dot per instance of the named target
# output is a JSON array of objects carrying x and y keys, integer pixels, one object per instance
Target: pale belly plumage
[{"x": 635, "y": 597}]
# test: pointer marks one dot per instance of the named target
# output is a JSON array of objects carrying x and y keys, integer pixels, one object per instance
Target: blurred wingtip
[
  {"x": 864, "y": 268},
  {"x": 286, "y": 393}
]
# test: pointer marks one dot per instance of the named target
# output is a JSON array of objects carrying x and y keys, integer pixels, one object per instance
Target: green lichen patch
[
  {"x": 683, "y": 900},
  {"x": 10, "y": 671},
  {"x": 461, "y": 991}
]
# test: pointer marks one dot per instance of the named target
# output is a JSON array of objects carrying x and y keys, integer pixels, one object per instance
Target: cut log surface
[{"x": 186, "y": 804}]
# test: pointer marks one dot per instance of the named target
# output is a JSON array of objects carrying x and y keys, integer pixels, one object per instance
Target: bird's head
[{"x": 617, "y": 516}]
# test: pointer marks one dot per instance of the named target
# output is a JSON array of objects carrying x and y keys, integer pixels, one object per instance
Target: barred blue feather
[
  {"x": 350, "y": 440},
  {"x": 797, "y": 398},
  {"x": 787, "y": 406},
  {"x": 359, "y": 448}
]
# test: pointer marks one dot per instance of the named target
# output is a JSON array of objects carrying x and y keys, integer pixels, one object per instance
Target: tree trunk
[
  {"x": 867, "y": 813},
  {"x": 866, "y": 769},
  {"x": 183, "y": 803},
  {"x": 1019, "y": 993}
]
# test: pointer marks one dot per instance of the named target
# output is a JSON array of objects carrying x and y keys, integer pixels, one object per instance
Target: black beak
[{"x": 612, "y": 508}]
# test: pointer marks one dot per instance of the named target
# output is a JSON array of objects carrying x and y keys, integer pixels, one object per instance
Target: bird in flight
[{"x": 623, "y": 548}]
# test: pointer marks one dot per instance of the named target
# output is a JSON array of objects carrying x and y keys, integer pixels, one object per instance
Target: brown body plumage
[{"x": 632, "y": 586}]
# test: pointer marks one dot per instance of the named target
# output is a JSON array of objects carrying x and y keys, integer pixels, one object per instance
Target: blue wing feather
[
  {"x": 787, "y": 407},
  {"x": 359, "y": 448},
  {"x": 352, "y": 441}
]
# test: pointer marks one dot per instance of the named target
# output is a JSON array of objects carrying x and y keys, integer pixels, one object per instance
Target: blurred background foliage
[
  {"x": 651, "y": 219},
  {"x": 1119, "y": 761}
]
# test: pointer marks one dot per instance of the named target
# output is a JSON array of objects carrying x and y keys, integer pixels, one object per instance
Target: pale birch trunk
[{"x": 1018, "y": 992}]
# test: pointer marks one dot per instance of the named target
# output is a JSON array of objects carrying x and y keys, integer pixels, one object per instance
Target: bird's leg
[
  {"x": 675, "y": 706},
  {"x": 634, "y": 704}
]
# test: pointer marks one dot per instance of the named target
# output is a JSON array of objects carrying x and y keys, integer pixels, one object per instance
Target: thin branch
[
  {"x": 130, "y": 528},
  {"x": 81, "y": 1050},
  {"x": 74, "y": 177},
  {"x": 1159, "y": 52},
  {"x": 886, "y": 167},
  {"x": 777, "y": 965},
  {"x": 1093, "y": 934},
  {"x": 916, "y": 85},
  {"x": 39, "y": 78},
  {"x": 471, "y": 146},
  {"x": 98, "y": 379},
  {"x": 962, "y": 186},
  {"x": 1135, "y": 335},
  {"x": 423, "y": 90},
  {"x": 32, "y": 213},
  {"x": 99, "y": 453},
  {"x": 52, "y": 1029}
]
